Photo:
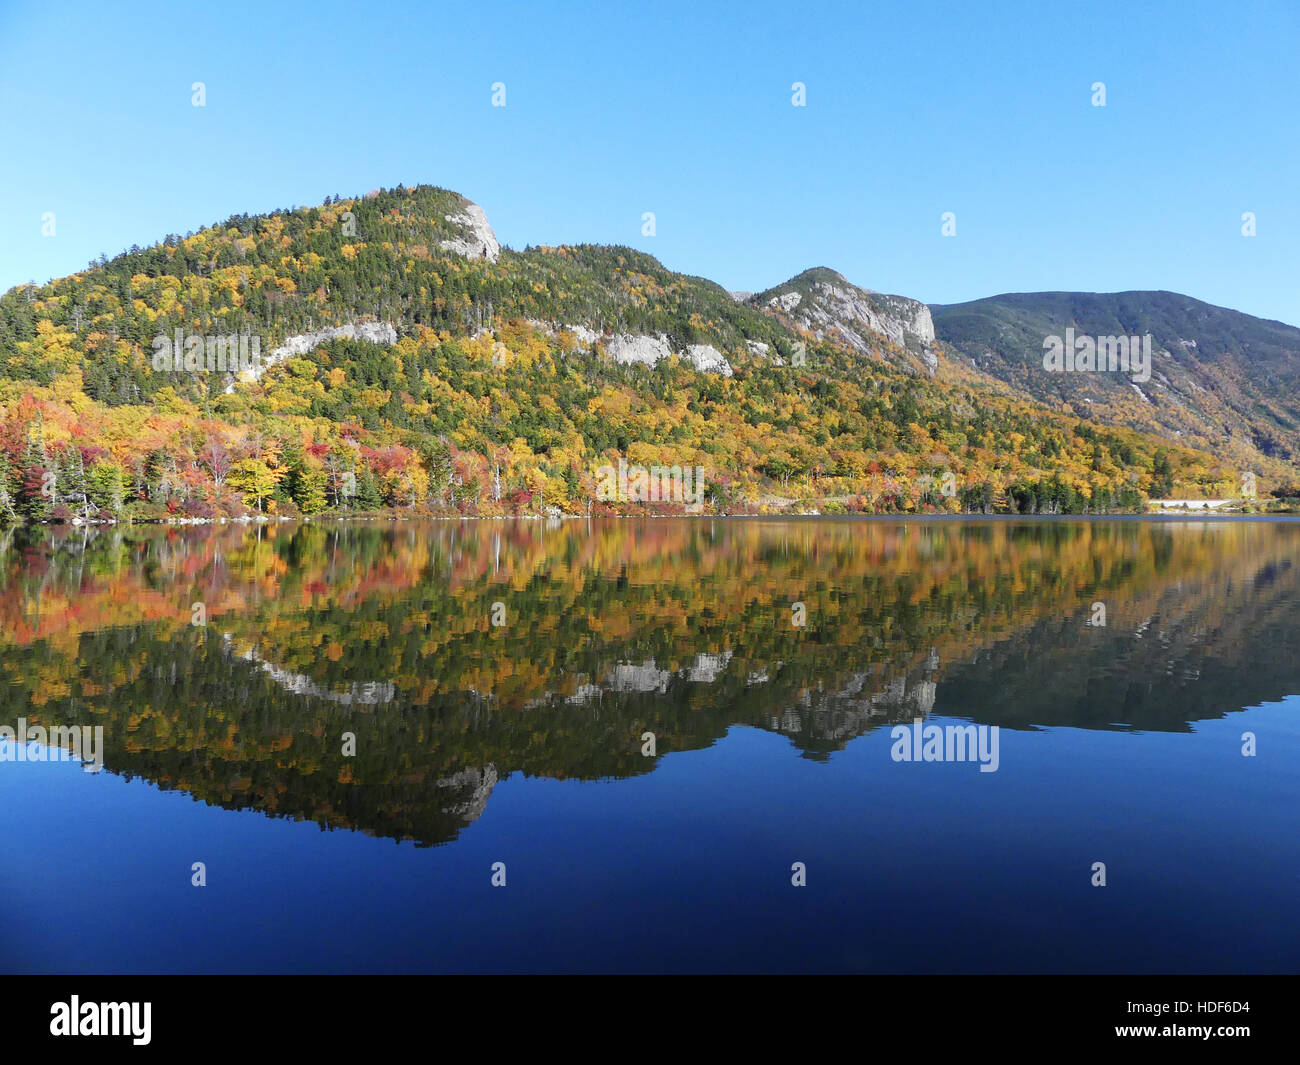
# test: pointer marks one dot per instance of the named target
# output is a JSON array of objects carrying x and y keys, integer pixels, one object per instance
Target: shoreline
[{"x": 1206, "y": 516}]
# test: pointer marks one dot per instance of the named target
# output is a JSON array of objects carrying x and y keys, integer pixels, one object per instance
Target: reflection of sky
[
  {"x": 911, "y": 866},
  {"x": 11, "y": 751}
]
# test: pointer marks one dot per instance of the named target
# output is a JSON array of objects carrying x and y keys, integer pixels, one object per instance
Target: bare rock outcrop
[
  {"x": 476, "y": 241},
  {"x": 629, "y": 348},
  {"x": 302, "y": 343},
  {"x": 827, "y": 305}
]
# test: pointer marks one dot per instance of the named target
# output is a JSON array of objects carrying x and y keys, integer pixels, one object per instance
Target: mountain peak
[
  {"x": 476, "y": 239},
  {"x": 1219, "y": 378},
  {"x": 824, "y": 302},
  {"x": 815, "y": 274}
]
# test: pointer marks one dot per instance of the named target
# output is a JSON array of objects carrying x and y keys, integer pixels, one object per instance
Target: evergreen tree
[{"x": 368, "y": 497}]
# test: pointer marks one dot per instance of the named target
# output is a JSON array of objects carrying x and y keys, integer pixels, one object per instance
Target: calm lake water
[{"x": 228, "y": 666}]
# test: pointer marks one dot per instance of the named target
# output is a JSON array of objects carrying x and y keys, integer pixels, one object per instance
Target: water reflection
[{"x": 231, "y": 662}]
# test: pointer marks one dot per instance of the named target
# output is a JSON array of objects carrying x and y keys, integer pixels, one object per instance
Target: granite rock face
[
  {"x": 905, "y": 321},
  {"x": 827, "y": 305},
  {"x": 627, "y": 348},
  {"x": 477, "y": 241},
  {"x": 295, "y": 346},
  {"x": 708, "y": 359}
]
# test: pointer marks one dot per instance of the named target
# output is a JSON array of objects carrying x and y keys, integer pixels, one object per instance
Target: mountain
[
  {"x": 822, "y": 302},
  {"x": 1220, "y": 379},
  {"x": 385, "y": 351},
  {"x": 409, "y": 258}
]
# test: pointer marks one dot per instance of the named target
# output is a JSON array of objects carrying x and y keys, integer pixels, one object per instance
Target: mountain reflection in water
[{"x": 682, "y": 628}]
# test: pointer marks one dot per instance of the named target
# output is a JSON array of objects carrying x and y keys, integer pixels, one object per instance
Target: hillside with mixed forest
[
  {"x": 385, "y": 352},
  {"x": 1220, "y": 379}
]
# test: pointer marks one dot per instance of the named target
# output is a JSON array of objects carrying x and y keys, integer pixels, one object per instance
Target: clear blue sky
[{"x": 683, "y": 109}]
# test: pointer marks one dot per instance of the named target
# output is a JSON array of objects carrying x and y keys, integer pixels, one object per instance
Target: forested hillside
[
  {"x": 1220, "y": 379},
  {"x": 475, "y": 379}
]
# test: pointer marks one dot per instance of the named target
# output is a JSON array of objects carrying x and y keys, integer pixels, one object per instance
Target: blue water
[
  {"x": 1121, "y": 744},
  {"x": 920, "y": 867}
]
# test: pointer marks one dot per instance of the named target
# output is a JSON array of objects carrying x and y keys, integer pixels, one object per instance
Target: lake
[{"x": 653, "y": 745}]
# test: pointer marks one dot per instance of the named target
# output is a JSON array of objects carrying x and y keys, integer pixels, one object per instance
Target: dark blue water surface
[{"x": 522, "y": 744}]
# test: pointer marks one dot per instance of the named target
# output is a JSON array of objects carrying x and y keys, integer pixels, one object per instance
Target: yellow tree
[{"x": 256, "y": 479}]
